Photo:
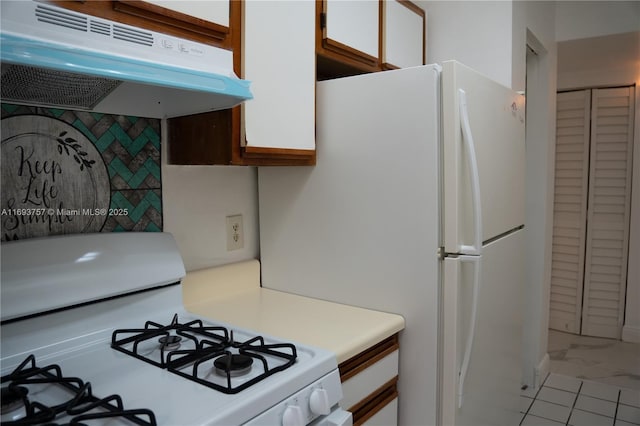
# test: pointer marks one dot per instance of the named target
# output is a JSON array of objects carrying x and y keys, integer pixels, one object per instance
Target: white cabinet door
[
  {"x": 404, "y": 34},
  {"x": 354, "y": 24},
  {"x": 279, "y": 60},
  {"x": 212, "y": 11}
]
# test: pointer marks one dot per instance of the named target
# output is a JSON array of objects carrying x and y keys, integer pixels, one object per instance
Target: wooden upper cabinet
[
  {"x": 204, "y": 22},
  {"x": 275, "y": 52},
  {"x": 216, "y": 12},
  {"x": 349, "y": 33},
  {"x": 273, "y": 47},
  {"x": 404, "y": 33},
  {"x": 359, "y": 36}
]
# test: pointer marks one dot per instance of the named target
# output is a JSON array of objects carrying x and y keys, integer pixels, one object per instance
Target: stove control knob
[
  {"x": 319, "y": 402},
  {"x": 292, "y": 416}
]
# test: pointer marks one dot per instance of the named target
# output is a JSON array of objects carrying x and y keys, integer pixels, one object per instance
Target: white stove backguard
[{"x": 41, "y": 274}]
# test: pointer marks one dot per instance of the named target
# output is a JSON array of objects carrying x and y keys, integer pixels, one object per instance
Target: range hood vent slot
[
  {"x": 100, "y": 28},
  {"x": 61, "y": 18},
  {"x": 132, "y": 35},
  {"x": 51, "y": 16}
]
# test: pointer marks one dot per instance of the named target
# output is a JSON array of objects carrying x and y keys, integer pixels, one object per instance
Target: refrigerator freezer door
[
  {"x": 496, "y": 122},
  {"x": 492, "y": 379}
]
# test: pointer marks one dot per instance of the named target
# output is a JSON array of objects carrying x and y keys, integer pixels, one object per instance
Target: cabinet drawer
[
  {"x": 369, "y": 383},
  {"x": 387, "y": 416},
  {"x": 360, "y": 386}
]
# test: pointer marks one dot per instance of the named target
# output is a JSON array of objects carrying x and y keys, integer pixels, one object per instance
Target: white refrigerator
[{"x": 416, "y": 207}]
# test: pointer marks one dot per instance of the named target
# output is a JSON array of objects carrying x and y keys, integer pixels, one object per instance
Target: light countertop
[{"x": 232, "y": 294}]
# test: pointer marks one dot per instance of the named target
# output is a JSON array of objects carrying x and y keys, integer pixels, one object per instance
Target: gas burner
[
  {"x": 13, "y": 398},
  {"x": 170, "y": 342},
  {"x": 233, "y": 365}
]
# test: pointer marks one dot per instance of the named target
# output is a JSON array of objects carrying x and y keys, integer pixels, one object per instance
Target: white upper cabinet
[
  {"x": 404, "y": 34},
  {"x": 279, "y": 60},
  {"x": 212, "y": 11},
  {"x": 354, "y": 24},
  {"x": 348, "y": 34},
  {"x": 359, "y": 36},
  {"x": 273, "y": 45}
]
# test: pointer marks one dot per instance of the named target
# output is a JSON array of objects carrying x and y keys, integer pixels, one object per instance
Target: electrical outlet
[{"x": 235, "y": 233}]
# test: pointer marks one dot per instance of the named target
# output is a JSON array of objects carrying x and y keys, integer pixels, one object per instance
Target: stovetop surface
[{"x": 173, "y": 399}]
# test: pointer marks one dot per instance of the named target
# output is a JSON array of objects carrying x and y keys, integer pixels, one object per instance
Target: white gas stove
[{"x": 94, "y": 332}]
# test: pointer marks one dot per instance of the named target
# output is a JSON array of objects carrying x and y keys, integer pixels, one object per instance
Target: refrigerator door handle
[
  {"x": 472, "y": 164},
  {"x": 477, "y": 261}
]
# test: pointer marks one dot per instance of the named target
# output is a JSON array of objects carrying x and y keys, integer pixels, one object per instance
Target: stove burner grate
[
  {"x": 254, "y": 349},
  {"x": 209, "y": 343},
  {"x": 80, "y": 405},
  {"x": 169, "y": 336}
]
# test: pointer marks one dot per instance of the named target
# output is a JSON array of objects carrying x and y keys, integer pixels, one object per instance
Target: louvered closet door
[
  {"x": 569, "y": 209},
  {"x": 612, "y": 113}
]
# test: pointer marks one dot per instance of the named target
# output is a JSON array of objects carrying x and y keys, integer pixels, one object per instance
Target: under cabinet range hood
[{"x": 55, "y": 57}]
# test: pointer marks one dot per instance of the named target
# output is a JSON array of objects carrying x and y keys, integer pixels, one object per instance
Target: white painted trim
[
  {"x": 541, "y": 371},
  {"x": 631, "y": 333},
  {"x": 535, "y": 44}
]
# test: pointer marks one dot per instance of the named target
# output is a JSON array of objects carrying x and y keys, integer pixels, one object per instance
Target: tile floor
[
  {"x": 565, "y": 400},
  {"x": 596, "y": 359},
  {"x": 593, "y": 382}
]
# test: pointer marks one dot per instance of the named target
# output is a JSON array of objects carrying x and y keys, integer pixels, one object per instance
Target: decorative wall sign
[
  {"x": 71, "y": 171},
  {"x": 54, "y": 180}
]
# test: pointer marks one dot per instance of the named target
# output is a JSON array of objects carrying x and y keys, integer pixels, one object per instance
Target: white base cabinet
[
  {"x": 369, "y": 384},
  {"x": 387, "y": 416}
]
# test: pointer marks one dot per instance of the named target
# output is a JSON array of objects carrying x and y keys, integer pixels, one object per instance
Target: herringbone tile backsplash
[{"x": 130, "y": 150}]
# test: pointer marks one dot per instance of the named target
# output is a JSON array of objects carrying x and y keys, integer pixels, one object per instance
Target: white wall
[
  {"x": 196, "y": 201},
  {"x": 586, "y": 19},
  {"x": 536, "y": 18},
  {"x": 476, "y": 33},
  {"x": 599, "y": 61},
  {"x": 534, "y": 26},
  {"x": 611, "y": 61}
]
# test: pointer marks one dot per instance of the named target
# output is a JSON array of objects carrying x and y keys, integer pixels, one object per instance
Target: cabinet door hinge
[{"x": 323, "y": 20}]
